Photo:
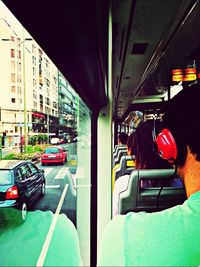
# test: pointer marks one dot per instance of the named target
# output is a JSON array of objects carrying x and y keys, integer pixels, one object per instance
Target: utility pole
[
  {"x": 48, "y": 127},
  {"x": 25, "y": 108},
  {"x": 1, "y": 133}
]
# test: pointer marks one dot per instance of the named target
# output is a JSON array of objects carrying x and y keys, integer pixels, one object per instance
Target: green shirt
[{"x": 167, "y": 238}]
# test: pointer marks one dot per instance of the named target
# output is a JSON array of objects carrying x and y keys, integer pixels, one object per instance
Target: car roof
[
  {"x": 53, "y": 147},
  {"x": 10, "y": 164}
]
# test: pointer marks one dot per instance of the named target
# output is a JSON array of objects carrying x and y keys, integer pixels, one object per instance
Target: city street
[
  {"x": 56, "y": 178},
  {"x": 32, "y": 234}
]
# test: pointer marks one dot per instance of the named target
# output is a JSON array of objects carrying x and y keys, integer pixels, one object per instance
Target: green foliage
[
  {"x": 32, "y": 140},
  {"x": 33, "y": 153},
  {"x": 9, "y": 156},
  {"x": 23, "y": 156},
  {"x": 40, "y": 139}
]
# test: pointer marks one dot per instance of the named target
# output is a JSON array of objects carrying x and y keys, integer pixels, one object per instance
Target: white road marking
[
  {"x": 45, "y": 247},
  {"x": 47, "y": 171},
  {"x": 62, "y": 172},
  {"x": 52, "y": 186}
]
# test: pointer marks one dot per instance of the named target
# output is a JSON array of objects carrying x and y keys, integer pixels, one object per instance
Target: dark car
[
  {"x": 54, "y": 154},
  {"x": 21, "y": 184}
]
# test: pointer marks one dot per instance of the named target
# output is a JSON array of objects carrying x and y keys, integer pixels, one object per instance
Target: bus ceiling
[{"x": 149, "y": 39}]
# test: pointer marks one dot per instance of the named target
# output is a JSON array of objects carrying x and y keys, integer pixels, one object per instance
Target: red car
[{"x": 54, "y": 154}]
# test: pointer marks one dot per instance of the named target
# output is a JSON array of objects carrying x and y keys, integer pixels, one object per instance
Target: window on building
[
  {"x": 13, "y": 65},
  {"x": 12, "y": 53},
  {"x": 19, "y": 90},
  {"x": 13, "y": 77},
  {"x": 34, "y": 60},
  {"x": 16, "y": 129},
  {"x": 19, "y": 78},
  {"x": 41, "y": 108},
  {"x": 41, "y": 99},
  {"x": 12, "y": 38},
  {"x": 13, "y": 100},
  {"x": 19, "y": 67},
  {"x": 34, "y": 71},
  {"x": 18, "y": 41},
  {"x": 19, "y": 54},
  {"x": 33, "y": 48},
  {"x": 13, "y": 89},
  {"x": 35, "y": 105},
  {"x": 34, "y": 83}
]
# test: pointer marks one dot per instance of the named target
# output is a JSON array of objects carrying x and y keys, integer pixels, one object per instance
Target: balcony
[{"x": 62, "y": 91}]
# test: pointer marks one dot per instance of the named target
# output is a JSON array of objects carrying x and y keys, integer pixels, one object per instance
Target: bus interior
[{"x": 119, "y": 56}]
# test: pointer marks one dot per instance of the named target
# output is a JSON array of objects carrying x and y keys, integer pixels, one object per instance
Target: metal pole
[
  {"x": 21, "y": 147},
  {"x": 1, "y": 133},
  {"x": 0, "y": 145},
  {"x": 48, "y": 127},
  {"x": 25, "y": 108}
]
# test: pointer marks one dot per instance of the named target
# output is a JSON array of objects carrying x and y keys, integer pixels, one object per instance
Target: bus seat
[
  {"x": 121, "y": 153},
  {"x": 116, "y": 155},
  {"x": 152, "y": 190},
  {"x": 113, "y": 175},
  {"x": 117, "y": 147},
  {"x": 126, "y": 166}
]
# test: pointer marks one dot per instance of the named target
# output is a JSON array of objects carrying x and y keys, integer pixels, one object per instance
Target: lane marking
[
  {"x": 52, "y": 186},
  {"x": 45, "y": 247},
  {"x": 62, "y": 173},
  {"x": 47, "y": 171}
]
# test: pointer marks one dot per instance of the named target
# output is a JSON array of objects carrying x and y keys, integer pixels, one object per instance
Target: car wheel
[
  {"x": 43, "y": 190},
  {"x": 22, "y": 213},
  {"x": 43, "y": 164}
]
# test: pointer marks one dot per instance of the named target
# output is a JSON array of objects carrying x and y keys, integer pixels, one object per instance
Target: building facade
[{"x": 34, "y": 93}]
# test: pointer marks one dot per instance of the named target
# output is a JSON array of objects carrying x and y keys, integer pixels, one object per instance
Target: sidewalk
[{"x": 9, "y": 150}]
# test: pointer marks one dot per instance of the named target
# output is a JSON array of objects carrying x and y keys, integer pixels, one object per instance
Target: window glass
[
  {"x": 33, "y": 168},
  {"x": 51, "y": 150},
  {"x": 5, "y": 177},
  {"x": 25, "y": 171},
  {"x": 82, "y": 177},
  {"x": 58, "y": 118},
  {"x": 19, "y": 174}
]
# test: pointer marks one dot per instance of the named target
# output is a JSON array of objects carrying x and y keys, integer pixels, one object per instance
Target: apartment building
[
  {"x": 28, "y": 84},
  {"x": 67, "y": 100}
]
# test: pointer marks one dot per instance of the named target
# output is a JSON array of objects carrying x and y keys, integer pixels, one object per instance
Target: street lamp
[{"x": 25, "y": 107}]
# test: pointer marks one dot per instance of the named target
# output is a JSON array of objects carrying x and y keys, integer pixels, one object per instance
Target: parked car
[
  {"x": 54, "y": 154},
  {"x": 21, "y": 184},
  {"x": 55, "y": 141}
]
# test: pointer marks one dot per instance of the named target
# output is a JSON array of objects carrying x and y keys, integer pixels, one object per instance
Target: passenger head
[
  {"x": 181, "y": 117},
  {"x": 144, "y": 149},
  {"x": 122, "y": 138},
  {"x": 130, "y": 144}
]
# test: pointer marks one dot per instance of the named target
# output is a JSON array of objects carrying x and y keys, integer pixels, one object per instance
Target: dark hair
[
  {"x": 145, "y": 150},
  {"x": 181, "y": 117},
  {"x": 131, "y": 143},
  {"x": 123, "y": 138}
]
